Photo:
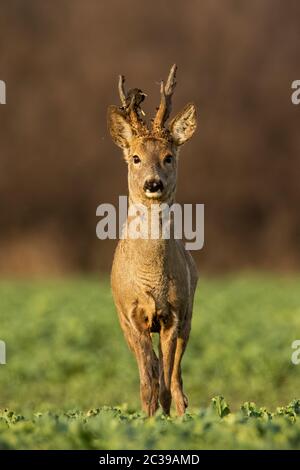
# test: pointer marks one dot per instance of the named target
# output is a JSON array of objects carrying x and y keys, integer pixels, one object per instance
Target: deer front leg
[
  {"x": 140, "y": 343},
  {"x": 148, "y": 371},
  {"x": 180, "y": 399},
  {"x": 167, "y": 346}
]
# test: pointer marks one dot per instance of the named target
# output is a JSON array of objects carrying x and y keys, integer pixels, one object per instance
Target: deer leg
[
  {"x": 125, "y": 325},
  {"x": 167, "y": 345},
  {"x": 149, "y": 371},
  {"x": 180, "y": 399},
  {"x": 140, "y": 343}
]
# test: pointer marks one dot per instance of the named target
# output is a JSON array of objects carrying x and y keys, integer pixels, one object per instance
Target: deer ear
[
  {"x": 183, "y": 126},
  {"x": 119, "y": 128}
]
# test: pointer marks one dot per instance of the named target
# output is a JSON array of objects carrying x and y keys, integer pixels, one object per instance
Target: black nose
[{"x": 153, "y": 186}]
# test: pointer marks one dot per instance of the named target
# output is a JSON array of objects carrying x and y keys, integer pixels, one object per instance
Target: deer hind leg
[
  {"x": 167, "y": 346},
  {"x": 180, "y": 399}
]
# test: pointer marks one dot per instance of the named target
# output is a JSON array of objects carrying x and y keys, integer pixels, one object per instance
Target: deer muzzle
[{"x": 153, "y": 188}]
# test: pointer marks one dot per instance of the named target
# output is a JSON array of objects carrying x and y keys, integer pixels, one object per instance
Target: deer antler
[
  {"x": 122, "y": 90},
  {"x": 131, "y": 105},
  {"x": 166, "y": 92}
]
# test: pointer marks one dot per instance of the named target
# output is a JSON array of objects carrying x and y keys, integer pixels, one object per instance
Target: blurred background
[{"x": 60, "y": 61}]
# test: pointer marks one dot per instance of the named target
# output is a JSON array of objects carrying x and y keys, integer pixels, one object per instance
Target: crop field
[{"x": 70, "y": 381}]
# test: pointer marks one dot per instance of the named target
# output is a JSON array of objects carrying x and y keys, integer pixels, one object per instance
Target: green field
[{"x": 70, "y": 381}]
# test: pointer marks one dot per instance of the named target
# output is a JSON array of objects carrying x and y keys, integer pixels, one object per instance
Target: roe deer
[{"x": 154, "y": 280}]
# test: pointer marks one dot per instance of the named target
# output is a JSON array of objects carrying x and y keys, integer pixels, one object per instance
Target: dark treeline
[{"x": 60, "y": 61}]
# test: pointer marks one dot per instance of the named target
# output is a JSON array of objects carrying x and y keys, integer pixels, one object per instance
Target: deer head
[{"x": 151, "y": 152}]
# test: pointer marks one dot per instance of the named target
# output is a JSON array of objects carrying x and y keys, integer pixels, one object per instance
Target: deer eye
[
  {"x": 168, "y": 159},
  {"x": 136, "y": 159}
]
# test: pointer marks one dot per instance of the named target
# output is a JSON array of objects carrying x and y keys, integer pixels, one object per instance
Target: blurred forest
[{"x": 60, "y": 61}]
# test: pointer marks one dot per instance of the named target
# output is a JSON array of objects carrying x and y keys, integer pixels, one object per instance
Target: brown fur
[{"x": 153, "y": 281}]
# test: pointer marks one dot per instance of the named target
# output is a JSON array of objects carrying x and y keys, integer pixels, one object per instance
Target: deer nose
[{"x": 153, "y": 185}]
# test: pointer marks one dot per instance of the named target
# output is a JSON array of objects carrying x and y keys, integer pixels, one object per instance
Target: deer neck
[{"x": 152, "y": 247}]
